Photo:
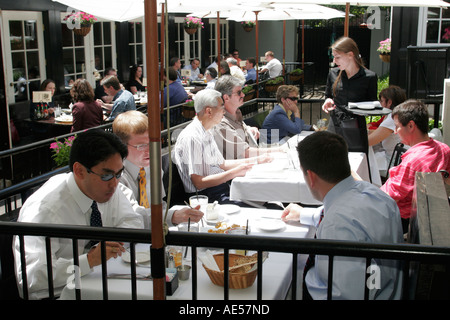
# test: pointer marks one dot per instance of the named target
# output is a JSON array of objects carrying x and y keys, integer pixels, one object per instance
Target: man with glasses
[
  {"x": 235, "y": 55},
  {"x": 88, "y": 195},
  {"x": 234, "y": 138},
  {"x": 132, "y": 128},
  {"x": 284, "y": 120},
  {"x": 200, "y": 163}
]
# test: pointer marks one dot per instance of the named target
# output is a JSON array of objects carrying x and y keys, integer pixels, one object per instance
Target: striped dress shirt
[{"x": 196, "y": 152}]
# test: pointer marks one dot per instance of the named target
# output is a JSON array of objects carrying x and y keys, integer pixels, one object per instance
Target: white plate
[
  {"x": 229, "y": 208},
  {"x": 64, "y": 118},
  {"x": 368, "y": 105},
  {"x": 220, "y": 218},
  {"x": 270, "y": 224},
  {"x": 141, "y": 257}
]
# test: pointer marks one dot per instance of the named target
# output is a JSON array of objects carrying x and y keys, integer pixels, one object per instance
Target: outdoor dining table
[
  {"x": 282, "y": 180},
  {"x": 277, "y": 269}
]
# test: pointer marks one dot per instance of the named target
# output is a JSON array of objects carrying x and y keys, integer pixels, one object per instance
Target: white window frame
[
  {"x": 112, "y": 45},
  {"x": 224, "y": 31},
  {"x": 89, "y": 52},
  {"x": 422, "y": 30},
  {"x": 7, "y": 16},
  {"x": 187, "y": 39}
]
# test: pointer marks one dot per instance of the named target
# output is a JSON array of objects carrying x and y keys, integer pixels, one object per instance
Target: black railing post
[{"x": 48, "y": 251}]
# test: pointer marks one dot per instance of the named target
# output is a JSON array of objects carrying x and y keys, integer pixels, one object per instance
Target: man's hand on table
[
  {"x": 184, "y": 214},
  {"x": 291, "y": 212},
  {"x": 113, "y": 250}
]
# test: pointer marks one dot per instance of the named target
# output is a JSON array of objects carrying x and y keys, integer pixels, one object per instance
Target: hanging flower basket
[
  {"x": 190, "y": 30},
  {"x": 83, "y": 31},
  {"x": 248, "y": 25},
  {"x": 385, "y": 57},
  {"x": 82, "y": 20},
  {"x": 191, "y": 24}
]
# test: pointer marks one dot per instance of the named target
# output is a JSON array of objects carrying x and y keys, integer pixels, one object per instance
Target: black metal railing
[{"x": 403, "y": 252}]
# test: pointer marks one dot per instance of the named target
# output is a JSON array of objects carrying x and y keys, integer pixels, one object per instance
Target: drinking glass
[{"x": 199, "y": 200}]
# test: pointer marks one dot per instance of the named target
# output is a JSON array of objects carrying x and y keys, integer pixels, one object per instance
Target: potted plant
[
  {"x": 249, "y": 92},
  {"x": 81, "y": 22},
  {"x": 191, "y": 24},
  {"x": 273, "y": 84},
  {"x": 188, "y": 110},
  {"x": 61, "y": 151},
  {"x": 296, "y": 74},
  {"x": 385, "y": 50},
  {"x": 248, "y": 25}
]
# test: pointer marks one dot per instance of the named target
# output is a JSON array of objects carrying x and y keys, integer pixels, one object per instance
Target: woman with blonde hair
[
  {"x": 86, "y": 112},
  {"x": 350, "y": 80}
]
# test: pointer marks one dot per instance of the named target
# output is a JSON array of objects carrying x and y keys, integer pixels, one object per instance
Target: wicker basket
[
  {"x": 83, "y": 31},
  {"x": 249, "y": 95},
  {"x": 295, "y": 77},
  {"x": 190, "y": 30},
  {"x": 236, "y": 280},
  {"x": 385, "y": 57}
]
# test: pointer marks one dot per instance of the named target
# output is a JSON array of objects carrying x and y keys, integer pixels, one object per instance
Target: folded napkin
[{"x": 208, "y": 260}]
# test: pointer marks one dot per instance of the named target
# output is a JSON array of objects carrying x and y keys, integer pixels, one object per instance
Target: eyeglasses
[
  {"x": 239, "y": 92},
  {"x": 292, "y": 98},
  {"x": 108, "y": 176},
  {"x": 140, "y": 147},
  {"x": 235, "y": 54}
]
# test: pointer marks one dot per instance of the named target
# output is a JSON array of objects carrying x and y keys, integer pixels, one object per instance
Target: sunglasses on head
[{"x": 107, "y": 176}]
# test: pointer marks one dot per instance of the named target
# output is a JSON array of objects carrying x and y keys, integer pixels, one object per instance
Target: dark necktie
[
  {"x": 96, "y": 218},
  {"x": 309, "y": 264},
  {"x": 96, "y": 221}
]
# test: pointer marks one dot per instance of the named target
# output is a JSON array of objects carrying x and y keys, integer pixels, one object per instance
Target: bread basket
[{"x": 236, "y": 280}]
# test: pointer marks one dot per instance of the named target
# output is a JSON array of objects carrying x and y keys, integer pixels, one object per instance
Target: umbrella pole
[
  {"x": 347, "y": 12},
  {"x": 157, "y": 249},
  {"x": 161, "y": 70}
]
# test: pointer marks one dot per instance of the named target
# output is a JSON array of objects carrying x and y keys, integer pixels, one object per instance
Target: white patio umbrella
[
  {"x": 347, "y": 3},
  {"x": 114, "y": 10},
  {"x": 268, "y": 12}
]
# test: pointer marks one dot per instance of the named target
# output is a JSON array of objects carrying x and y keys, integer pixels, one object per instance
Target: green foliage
[
  {"x": 296, "y": 71},
  {"x": 247, "y": 89},
  {"x": 383, "y": 83},
  {"x": 274, "y": 81},
  {"x": 61, "y": 151}
]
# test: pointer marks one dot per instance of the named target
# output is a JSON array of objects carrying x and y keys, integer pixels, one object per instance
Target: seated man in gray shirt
[{"x": 123, "y": 99}]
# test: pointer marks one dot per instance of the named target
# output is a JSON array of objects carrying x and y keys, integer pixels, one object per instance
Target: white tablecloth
[
  {"x": 276, "y": 269},
  {"x": 282, "y": 180}
]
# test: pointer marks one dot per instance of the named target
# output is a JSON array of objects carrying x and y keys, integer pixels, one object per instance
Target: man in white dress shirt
[
  {"x": 96, "y": 164},
  {"x": 132, "y": 128},
  {"x": 353, "y": 211},
  {"x": 273, "y": 65},
  {"x": 235, "y": 70},
  {"x": 199, "y": 161},
  {"x": 194, "y": 67}
]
